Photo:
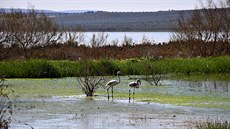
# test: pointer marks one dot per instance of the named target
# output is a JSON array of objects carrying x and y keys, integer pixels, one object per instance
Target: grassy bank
[{"x": 63, "y": 68}]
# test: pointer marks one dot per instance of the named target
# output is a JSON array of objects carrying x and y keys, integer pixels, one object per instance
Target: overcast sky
[{"x": 103, "y": 5}]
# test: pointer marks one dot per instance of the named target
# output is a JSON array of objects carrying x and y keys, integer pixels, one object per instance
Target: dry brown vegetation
[
  {"x": 206, "y": 32},
  {"x": 35, "y": 35}
]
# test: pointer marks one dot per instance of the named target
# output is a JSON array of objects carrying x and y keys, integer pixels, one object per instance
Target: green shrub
[
  {"x": 53, "y": 69},
  {"x": 41, "y": 69},
  {"x": 67, "y": 68},
  {"x": 29, "y": 69},
  {"x": 131, "y": 67}
]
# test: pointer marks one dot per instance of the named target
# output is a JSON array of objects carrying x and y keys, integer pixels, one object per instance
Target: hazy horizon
[{"x": 102, "y": 5}]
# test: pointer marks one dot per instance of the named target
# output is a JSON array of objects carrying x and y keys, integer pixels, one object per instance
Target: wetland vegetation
[
  {"x": 176, "y": 94},
  {"x": 190, "y": 73},
  {"x": 134, "y": 66},
  {"x": 53, "y": 94}
]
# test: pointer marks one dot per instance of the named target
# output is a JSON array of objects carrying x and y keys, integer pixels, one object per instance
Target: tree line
[
  {"x": 206, "y": 32},
  {"x": 35, "y": 35}
]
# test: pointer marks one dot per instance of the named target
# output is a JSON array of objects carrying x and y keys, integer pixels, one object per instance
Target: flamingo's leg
[
  {"x": 108, "y": 93},
  {"x": 112, "y": 92},
  {"x": 133, "y": 93},
  {"x": 129, "y": 94}
]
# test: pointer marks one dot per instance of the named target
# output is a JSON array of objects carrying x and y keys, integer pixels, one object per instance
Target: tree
[
  {"x": 203, "y": 30},
  {"x": 4, "y": 35},
  {"x": 31, "y": 29}
]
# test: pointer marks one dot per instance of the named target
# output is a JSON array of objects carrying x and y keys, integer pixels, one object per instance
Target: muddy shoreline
[{"x": 98, "y": 113}]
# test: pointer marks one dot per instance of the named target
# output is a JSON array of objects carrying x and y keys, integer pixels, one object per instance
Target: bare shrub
[
  {"x": 151, "y": 73},
  {"x": 5, "y": 106},
  {"x": 99, "y": 40},
  {"x": 74, "y": 37},
  {"x": 115, "y": 42},
  {"x": 146, "y": 41},
  {"x": 127, "y": 41},
  {"x": 88, "y": 80}
]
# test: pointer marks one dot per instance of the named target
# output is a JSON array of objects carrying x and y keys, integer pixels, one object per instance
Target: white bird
[
  {"x": 134, "y": 85},
  {"x": 112, "y": 83}
]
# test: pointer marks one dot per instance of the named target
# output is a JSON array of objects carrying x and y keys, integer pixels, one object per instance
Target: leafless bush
[
  {"x": 127, "y": 41},
  {"x": 5, "y": 106},
  {"x": 99, "y": 39},
  {"x": 146, "y": 40},
  {"x": 74, "y": 37},
  {"x": 151, "y": 74},
  {"x": 88, "y": 80},
  {"x": 115, "y": 42}
]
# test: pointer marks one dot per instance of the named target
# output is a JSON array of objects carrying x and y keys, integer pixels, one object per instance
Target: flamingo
[
  {"x": 134, "y": 85},
  {"x": 112, "y": 83}
]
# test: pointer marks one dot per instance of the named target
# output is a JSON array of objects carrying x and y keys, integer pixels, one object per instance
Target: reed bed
[{"x": 63, "y": 68}]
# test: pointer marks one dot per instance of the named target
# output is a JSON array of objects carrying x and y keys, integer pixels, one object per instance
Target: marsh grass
[
  {"x": 198, "y": 65},
  {"x": 214, "y": 125},
  {"x": 43, "y": 88},
  {"x": 29, "y": 69},
  {"x": 55, "y": 69}
]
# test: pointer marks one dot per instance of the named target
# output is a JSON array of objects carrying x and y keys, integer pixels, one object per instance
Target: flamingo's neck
[
  {"x": 138, "y": 82},
  {"x": 118, "y": 78}
]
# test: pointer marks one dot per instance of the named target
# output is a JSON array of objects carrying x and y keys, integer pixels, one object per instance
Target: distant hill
[
  {"x": 93, "y": 20},
  {"x": 77, "y": 11},
  {"x": 8, "y": 10},
  {"x": 121, "y": 21}
]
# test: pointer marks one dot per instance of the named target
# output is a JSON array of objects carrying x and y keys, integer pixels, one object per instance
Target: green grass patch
[
  {"x": 63, "y": 68},
  {"x": 206, "y": 101},
  {"x": 42, "y": 88}
]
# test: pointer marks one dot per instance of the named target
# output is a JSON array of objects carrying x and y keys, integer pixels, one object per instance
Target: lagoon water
[
  {"x": 137, "y": 37},
  {"x": 53, "y": 106}
]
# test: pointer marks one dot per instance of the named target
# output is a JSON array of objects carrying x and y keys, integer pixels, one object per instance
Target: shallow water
[
  {"x": 78, "y": 112},
  {"x": 46, "y": 103},
  {"x": 215, "y": 88}
]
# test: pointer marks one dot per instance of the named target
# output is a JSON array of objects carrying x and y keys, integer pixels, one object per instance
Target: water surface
[{"x": 57, "y": 103}]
